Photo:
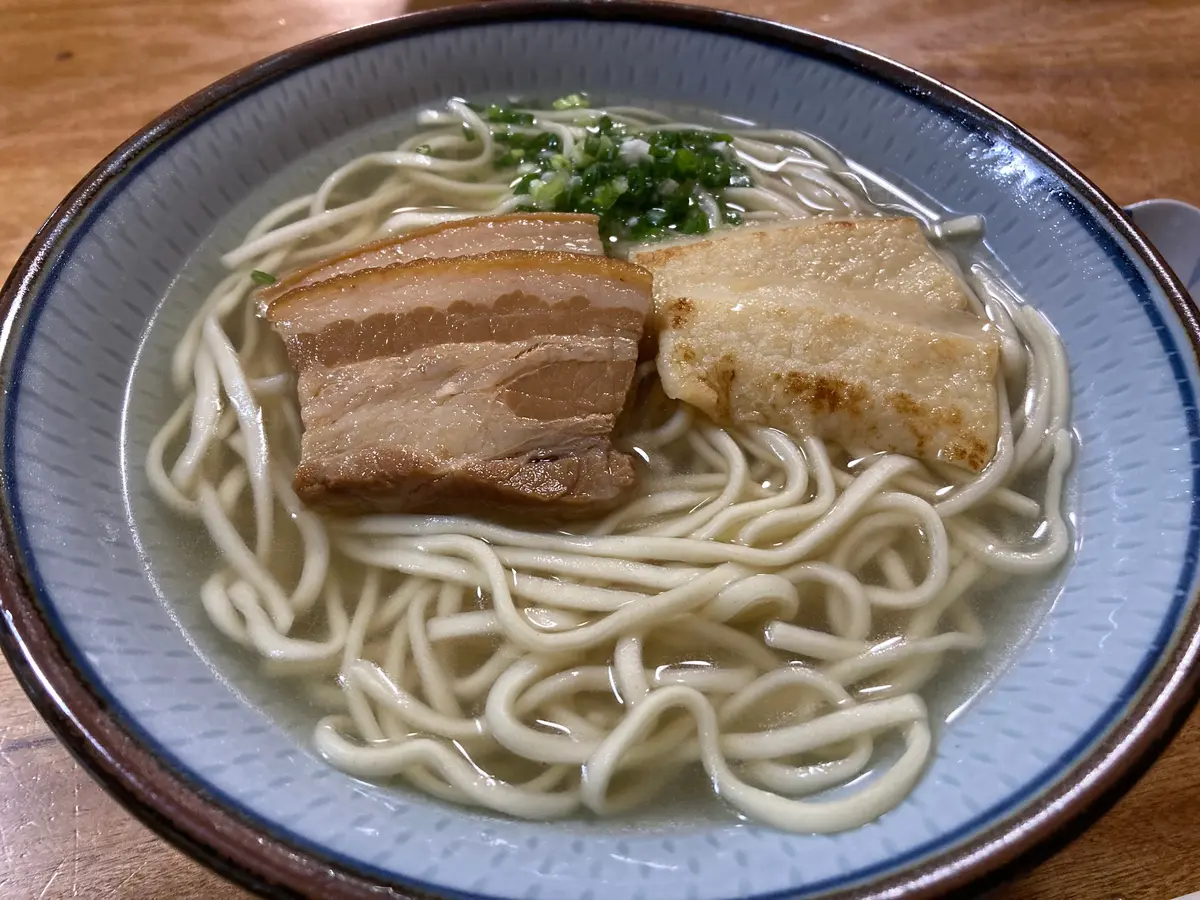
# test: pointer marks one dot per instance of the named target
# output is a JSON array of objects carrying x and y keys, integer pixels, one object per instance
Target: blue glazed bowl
[{"x": 128, "y": 675}]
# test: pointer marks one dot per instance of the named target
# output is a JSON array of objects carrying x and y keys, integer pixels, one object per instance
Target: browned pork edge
[
  {"x": 507, "y": 488},
  {"x": 267, "y": 295},
  {"x": 467, "y": 267}
]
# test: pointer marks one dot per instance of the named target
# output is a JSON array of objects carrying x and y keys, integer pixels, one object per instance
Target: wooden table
[{"x": 1111, "y": 84}]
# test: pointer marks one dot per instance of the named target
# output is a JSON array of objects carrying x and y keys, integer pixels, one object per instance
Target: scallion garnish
[
  {"x": 571, "y": 101},
  {"x": 642, "y": 184},
  {"x": 264, "y": 278}
]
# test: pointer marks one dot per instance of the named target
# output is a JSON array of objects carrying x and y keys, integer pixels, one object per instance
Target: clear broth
[{"x": 179, "y": 555}]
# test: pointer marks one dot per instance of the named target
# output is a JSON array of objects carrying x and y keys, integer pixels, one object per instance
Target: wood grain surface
[{"x": 1111, "y": 84}]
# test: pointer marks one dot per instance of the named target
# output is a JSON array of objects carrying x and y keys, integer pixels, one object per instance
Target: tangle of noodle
[{"x": 767, "y": 606}]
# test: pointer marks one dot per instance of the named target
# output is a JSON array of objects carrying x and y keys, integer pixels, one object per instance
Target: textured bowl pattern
[{"x": 1122, "y": 604}]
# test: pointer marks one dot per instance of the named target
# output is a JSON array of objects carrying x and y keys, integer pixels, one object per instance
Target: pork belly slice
[
  {"x": 560, "y": 232},
  {"x": 475, "y": 384},
  {"x": 853, "y": 253},
  {"x": 876, "y": 353}
]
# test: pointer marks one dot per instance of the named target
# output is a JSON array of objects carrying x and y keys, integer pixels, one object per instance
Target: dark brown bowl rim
[{"x": 202, "y": 825}]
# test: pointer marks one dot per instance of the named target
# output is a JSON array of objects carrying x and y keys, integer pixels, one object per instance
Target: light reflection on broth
[{"x": 814, "y": 676}]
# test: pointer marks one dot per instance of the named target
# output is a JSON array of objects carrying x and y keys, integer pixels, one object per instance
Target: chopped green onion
[
  {"x": 263, "y": 278},
  {"x": 545, "y": 193},
  {"x": 424, "y": 150},
  {"x": 522, "y": 184},
  {"x": 571, "y": 101},
  {"x": 510, "y": 157},
  {"x": 686, "y": 161},
  {"x": 495, "y": 112},
  {"x": 608, "y": 193},
  {"x": 643, "y": 184},
  {"x": 694, "y": 221}
]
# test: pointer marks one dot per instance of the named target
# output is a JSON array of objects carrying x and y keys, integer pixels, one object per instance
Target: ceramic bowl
[{"x": 170, "y": 721}]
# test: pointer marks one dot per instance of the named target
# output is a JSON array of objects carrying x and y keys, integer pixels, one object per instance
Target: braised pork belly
[{"x": 489, "y": 381}]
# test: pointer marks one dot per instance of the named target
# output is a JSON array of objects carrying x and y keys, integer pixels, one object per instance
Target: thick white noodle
[{"x": 766, "y": 607}]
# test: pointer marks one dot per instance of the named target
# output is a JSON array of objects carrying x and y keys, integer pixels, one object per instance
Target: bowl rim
[{"x": 182, "y": 812}]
